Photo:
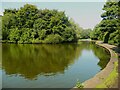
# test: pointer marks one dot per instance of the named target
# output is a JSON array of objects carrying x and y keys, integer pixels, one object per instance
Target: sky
[{"x": 86, "y": 14}]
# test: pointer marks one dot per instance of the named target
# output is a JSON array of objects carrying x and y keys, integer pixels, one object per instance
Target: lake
[{"x": 51, "y": 65}]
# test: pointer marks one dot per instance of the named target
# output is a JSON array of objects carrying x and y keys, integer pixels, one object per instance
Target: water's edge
[
  {"x": 99, "y": 77},
  {"x": 100, "y": 54}
]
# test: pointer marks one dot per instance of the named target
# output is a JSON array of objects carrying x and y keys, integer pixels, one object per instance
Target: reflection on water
[{"x": 31, "y": 60}]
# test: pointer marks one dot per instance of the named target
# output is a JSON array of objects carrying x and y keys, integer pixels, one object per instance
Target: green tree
[
  {"x": 8, "y": 21},
  {"x": 53, "y": 38},
  {"x": 14, "y": 35},
  {"x": 77, "y": 28},
  {"x": 26, "y": 16},
  {"x": 85, "y": 33},
  {"x": 110, "y": 24},
  {"x": 42, "y": 34},
  {"x": 37, "y": 26}
]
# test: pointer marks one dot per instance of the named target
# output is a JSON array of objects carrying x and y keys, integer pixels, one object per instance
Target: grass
[
  {"x": 115, "y": 56},
  {"x": 79, "y": 85},
  {"x": 111, "y": 79}
]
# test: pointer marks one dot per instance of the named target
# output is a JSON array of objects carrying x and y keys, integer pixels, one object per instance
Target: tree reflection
[
  {"x": 30, "y": 60},
  {"x": 100, "y": 52}
]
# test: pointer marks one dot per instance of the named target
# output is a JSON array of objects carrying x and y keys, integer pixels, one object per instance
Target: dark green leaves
[
  {"x": 30, "y": 25},
  {"x": 108, "y": 29}
]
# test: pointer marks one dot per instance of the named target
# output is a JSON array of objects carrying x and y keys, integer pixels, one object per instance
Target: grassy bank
[
  {"x": 108, "y": 77},
  {"x": 111, "y": 79}
]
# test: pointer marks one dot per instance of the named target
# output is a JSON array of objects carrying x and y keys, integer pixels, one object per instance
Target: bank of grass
[
  {"x": 111, "y": 79},
  {"x": 79, "y": 84}
]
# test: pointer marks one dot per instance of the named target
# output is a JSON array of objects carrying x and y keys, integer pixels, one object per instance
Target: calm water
[{"x": 51, "y": 66}]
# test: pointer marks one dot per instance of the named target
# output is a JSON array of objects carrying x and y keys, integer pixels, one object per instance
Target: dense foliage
[
  {"x": 108, "y": 29},
  {"x": 31, "y": 25},
  {"x": 85, "y": 33},
  {"x": 80, "y": 32}
]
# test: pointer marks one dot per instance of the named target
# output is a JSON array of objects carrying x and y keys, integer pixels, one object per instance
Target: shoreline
[{"x": 102, "y": 75}]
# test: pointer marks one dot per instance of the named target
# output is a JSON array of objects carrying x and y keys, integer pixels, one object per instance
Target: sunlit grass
[{"x": 111, "y": 79}]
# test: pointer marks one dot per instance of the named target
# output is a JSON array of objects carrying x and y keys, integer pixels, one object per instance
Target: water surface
[{"x": 50, "y": 66}]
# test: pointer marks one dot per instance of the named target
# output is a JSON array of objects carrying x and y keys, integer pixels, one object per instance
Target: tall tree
[
  {"x": 109, "y": 24},
  {"x": 31, "y": 25},
  {"x": 109, "y": 27}
]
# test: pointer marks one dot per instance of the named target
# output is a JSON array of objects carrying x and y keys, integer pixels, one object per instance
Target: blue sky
[{"x": 86, "y": 14}]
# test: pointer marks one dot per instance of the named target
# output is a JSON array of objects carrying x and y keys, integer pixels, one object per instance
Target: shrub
[
  {"x": 79, "y": 85},
  {"x": 53, "y": 38}
]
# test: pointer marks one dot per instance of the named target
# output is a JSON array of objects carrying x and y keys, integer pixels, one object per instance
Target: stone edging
[{"x": 99, "y": 77}]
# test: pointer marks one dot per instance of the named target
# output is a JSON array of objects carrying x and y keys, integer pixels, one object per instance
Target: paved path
[{"x": 99, "y": 77}]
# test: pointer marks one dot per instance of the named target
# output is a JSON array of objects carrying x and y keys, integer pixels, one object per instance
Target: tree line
[
  {"x": 31, "y": 25},
  {"x": 108, "y": 29}
]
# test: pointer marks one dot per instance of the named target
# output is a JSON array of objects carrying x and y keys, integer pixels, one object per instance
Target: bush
[
  {"x": 37, "y": 41},
  {"x": 69, "y": 35},
  {"x": 53, "y": 38},
  {"x": 79, "y": 85}
]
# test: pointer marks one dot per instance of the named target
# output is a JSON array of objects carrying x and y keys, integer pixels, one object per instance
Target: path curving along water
[
  {"x": 98, "y": 78},
  {"x": 102, "y": 75}
]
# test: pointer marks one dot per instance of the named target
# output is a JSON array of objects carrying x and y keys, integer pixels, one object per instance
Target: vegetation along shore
[{"x": 30, "y": 25}]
